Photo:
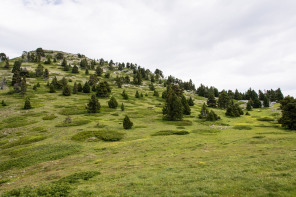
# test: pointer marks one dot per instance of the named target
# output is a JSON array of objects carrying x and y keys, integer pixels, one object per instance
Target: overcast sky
[{"x": 223, "y": 43}]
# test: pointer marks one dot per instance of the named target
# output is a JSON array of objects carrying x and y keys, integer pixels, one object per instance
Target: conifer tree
[
  {"x": 66, "y": 68},
  {"x": 93, "y": 105},
  {"x": 64, "y": 63},
  {"x": 257, "y": 103},
  {"x": 155, "y": 93},
  {"x": 249, "y": 105},
  {"x": 99, "y": 71},
  {"x": 137, "y": 95},
  {"x": 86, "y": 71},
  {"x": 102, "y": 90},
  {"x": 112, "y": 103},
  {"x": 233, "y": 110},
  {"x": 51, "y": 88},
  {"x": 75, "y": 88},
  {"x": 23, "y": 85},
  {"x": 16, "y": 66},
  {"x": 27, "y": 104},
  {"x": 190, "y": 102},
  {"x": 265, "y": 101},
  {"x": 124, "y": 95},
  {"x": 151, "y": 87},
  {"x": 138, "y": 78},
  {"x": 173, "y": 109},
  {"x": 122, "y": 107},
  {"x": 67, "y": 91},
  {"x": 288, "y": 107},
  {"x": 223, "y": 100},
  {"x": 16, "y": 78},
  {"x": 86, "y": 87},
  {"x": 75, "y": 69},
  {"x": 211, "y": 101},
  {"x": 79, "y": 87},
  {"x": 7, "y": 64},
  {"x": 127, "y": 123},
  {"x": 4, "y": 104},
  {"x": 94, "y": 88},
  {"x": 39, "y": 70},
  {"x": 203, "y": 112},
  {"x": 46, "y": 74},
  {"x": 186, "y": 108}
]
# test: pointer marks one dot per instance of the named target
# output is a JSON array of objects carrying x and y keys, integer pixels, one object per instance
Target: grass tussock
[
  {"x": 73, "y": 123},
  {"x": 206, "y": 131},
  {"x": 267, "y": 119},
  {"x": 105, "y": 135},
  {"x": 242, "y": 127},
  {"x": 170, "y": 132},
  {"x": 24, "y": 140}
]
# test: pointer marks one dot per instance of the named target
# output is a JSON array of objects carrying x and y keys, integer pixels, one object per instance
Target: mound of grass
[
  {"x": 24, "y": 140},
  {"x": 49, "y": 117},
  {"x": 72, "y": 111},
  {"x": 170, "y": 132},
  {"x": 184, "y": 123},
  {"x": 206, "y": 131},
  {"x": 105, "y": 135},
  {"x": 37, "y": 154},
  {"x": 59, "y": 188},
  {"x": 242, "y": 127},
  {"x": 16, "y": 121},
  {"x": 73, "y": 123},
  {"x": 268, "y": 119},
  {"x": 39, "y": 129},
  {"x": 4, "y": 181}
]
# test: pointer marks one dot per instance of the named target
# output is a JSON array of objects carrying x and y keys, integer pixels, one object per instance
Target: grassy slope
[{"x": 214, "y": 159}]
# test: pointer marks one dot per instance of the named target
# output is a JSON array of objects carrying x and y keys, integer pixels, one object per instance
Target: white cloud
[{"x": 225, "y": 43}]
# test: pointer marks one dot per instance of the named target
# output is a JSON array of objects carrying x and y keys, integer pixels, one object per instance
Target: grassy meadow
[{"x": 94, "y": 156}]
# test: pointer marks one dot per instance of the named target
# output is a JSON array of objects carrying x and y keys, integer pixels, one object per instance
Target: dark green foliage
[
  {"x": 6, "y": 64},
  {"x": 64, "y": 63},
  {"x": 99, "y": 71},
  {"x": 93, "y": 105},
  {"x": 66, "y": 68},
  {"x": 16, "y": 66},
  {"x": 86, "y": 87},
  {"x": 103, "y": 89},
  {"x": 257, "y": 103},
  {"x": 155, "y": 93},
  {"x": 83, "y": 63},
  {"x": 75, "y": 69},
  {"x": 59, "y": 56},
  {"x": 233, "y": 110},
  {"x": 190, "y": 102},
  {"x": 67, "y": 91},
  {"x": 223, "y": 100},
  {"x": 51, "y": 88},
  {"x": 3, "y": 103},
  {"x": 40, "y": 52},
  {"x": 265, "y": 101},
  {"x": 151, "y": 87},
  {"x": 93, "y": 80},
  {"x": 39, "y": 70},
  {"x": 75, "y": 88},
  {"x": 86, "y": 71},
  {"x": 124, "y": 95},
  {"x": 127, "y": 79},
  {"x": 288, "y": 107},
  {"x": 105, "y": 135},
  {"x": 79, "y": 87},
  {"x": 74, "y": 178},
  {"x": 249, "y": 105},
  {"x": 267, "y": 119},
  {"x": 23, "y": 86},
  {"x": 170, "y": 132},
  {"x": 112, "y": 103},
  {"x": 137, "y": 78},
  {"x": 16, "y": 79},
  {"x": 127, "y": 123},
  {"x": 173, "y": 109},
  {"x": 212, "y": 101},
  {"x": 137, "y": 95},
  {"x": 209, "y": 116},
  {"x": 247, "y": 113},
  {"x": 122, "y": 107},
  {"x": 186, "y": 108},
  {"x": 107, "y": 75},
  {"x": 27, "y": 104},
  {"x": 242, "y": 127}
]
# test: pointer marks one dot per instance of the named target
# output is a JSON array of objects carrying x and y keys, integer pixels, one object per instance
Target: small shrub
[
  {"x": 265, "y": 119},
  {"x": 242, "y": 127},
  {"x": 127, "y": 123},
  {"x": 73, "y": 123},
  {"x": 105, "y": 135},
  {"x": 74, "y": 178},
  {"x": 170, "y": 132},
  {"x": 49, "y": 117}
]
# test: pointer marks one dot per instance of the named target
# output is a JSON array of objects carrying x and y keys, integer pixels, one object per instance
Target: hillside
[{"x": 58, "y": 148}]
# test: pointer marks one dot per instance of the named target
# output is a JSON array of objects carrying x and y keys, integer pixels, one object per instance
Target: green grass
[
  {"x": 73, "y": 123},
  {"x": 170, "y": 132},
  {"x": 105, "y": 135},
  {"x": 242, "y": 127},
  {"x": 49, "y": 117},
  {"x": 23, "y": 141}
]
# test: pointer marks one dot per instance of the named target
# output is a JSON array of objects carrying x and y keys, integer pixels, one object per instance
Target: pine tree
[
  {"x": 122, "y": 107},
  {"x": 4, "y": 104},
  {"x": 186, "y": 108},
  {"x": 51, "y": 88},
  {"x": 137, "y": 95},
  {"x": 86, "y": 88},
  {"x": 46, "y": 74},
  {"x": 16, "y": 78},
  {"x": 190, "y": 102},
  {"x": 24, "y": 85},
  {"x": 211, "y": 101},
  {"x": 93, "y": 105},
  {"x": 64, "y": 62},
  {"x": 103, "y": 90},
  {"x": 124, "y": 95},
  {"x": 249, "y": 105},
  {"x": 39, "y": 70},
  {"x": 75, "y": 69},
  {"x": 265, "y": 101},
  {"x": 173, "y": 109},
  {"x": 75, "y": 88},
  {"x": 257, "y": 103},
  {"x": 16, "y": 66},
  {"x": 66, "y": 68},
  {"x": 223, "y": 100},
  {"x": 138, "y": 78},
  {"x": 67, "y": 91},
  {"x": 86, "y": 71},
  {"x": 288, "y": 107},
  {"x": 112, "y": 103},
  {"x": 151, "y": 87},
  {"x": 7, "y": 64},
  {"x": 203, "y": 112},
  {"x": 127, "y": 123},
  {"x": 79, "y": 87},
  {"x": 233, "y": 110},
  {"x": 27, "y": 104},
  {"x": 99, "y": 71}
]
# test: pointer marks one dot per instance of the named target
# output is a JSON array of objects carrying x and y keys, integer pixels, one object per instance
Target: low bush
[
  {"x": 170, "y": 132},
  {"x": 206, "y": 131},
  {"x": 265, "y": 119},
  {"x": 73, "y": 123},
  {"x": 242, "y": 127},
  {"x": 105, "y": 135},
  {"x": 74, "y": 178},
  {"x": 23, "y": 141},
  {"x": 49, "y": 117}
]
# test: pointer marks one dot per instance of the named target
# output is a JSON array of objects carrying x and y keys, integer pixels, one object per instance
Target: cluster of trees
[{"x": 288, "y": 107}]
